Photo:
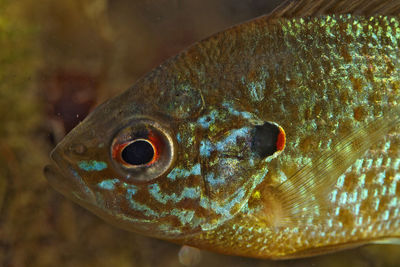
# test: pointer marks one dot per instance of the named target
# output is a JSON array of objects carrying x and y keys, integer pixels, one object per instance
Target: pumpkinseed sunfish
[{"x": 277, "y": 138}]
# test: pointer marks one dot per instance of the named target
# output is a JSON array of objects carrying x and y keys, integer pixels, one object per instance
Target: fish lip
[{"x": 62, "y": 177}]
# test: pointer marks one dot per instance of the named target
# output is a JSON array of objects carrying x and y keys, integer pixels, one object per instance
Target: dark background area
[{"x": 58, "y": 60}]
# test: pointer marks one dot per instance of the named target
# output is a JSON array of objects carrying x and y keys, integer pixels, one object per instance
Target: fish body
[{"x": 277, "y": 138}]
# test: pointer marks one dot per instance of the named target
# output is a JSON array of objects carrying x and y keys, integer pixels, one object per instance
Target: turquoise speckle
[
  {"x": 179, "y": 138},
  {"x": 205, "y": 148},
  {"x": 196, "y": 170},
  {"x": 130, "y": 189},
  {"x": 230, "y": 140},
  {"x": 210, "y": 178},
  {"x": 92, "y": 165},
  {"x": 185, "y": 216},
  {"x": 183, "y": 173},
  {"x": 108, "y": 184},
  {"x": 188, "y": 192},
  {"x": 225, "y": 209},
  {"x": 256, "y": 90},
  {"x": 207, "y": 120},
  {"x": 244, "y": 114}
]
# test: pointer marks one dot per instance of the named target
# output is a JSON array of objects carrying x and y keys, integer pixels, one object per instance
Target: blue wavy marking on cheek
[
  {"x": 108, "y": 184},
  {"x": 134, "y": 205},
  {"x": 185, "y": 216},
  {"x": 130, "y": 189},
  {"x": 183, "y": 173},
  {"x": 208, "y": 119},
  {"x": 210, "y": 178},
  {"x": 92, "y": 165},
  {"x": 143, "y": 208},
  {"x": 231, "y": 139},
  {"x": 206, "y": 148},
  {"x": 244, "y": 114},
  {"x": 224, "y": 209},
  {"x": 187, "y": 192}
]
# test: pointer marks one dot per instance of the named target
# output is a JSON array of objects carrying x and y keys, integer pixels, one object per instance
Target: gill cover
[
  {"x": 200, "y": 172},
  {"x": 231, "y": 149},
  {"x": 163, "y": 160}
]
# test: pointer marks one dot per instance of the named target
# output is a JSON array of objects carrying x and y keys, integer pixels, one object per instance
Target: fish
[{"x": 277, "y": 138}]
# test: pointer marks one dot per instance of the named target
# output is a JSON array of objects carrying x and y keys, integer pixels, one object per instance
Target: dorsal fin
[
  {"x": 305, "y": 194},
  {"x": 304, "y": 8}
]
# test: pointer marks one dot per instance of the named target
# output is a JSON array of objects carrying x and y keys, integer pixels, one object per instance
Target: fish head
[{"x": 164, "y": 162}]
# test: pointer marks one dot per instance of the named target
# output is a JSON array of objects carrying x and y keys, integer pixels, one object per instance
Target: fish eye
[
  {"x": 139, "y": 152},
  {"x": 143, "y": 150}
]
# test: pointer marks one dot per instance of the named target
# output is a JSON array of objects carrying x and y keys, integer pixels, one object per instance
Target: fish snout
[{"x": 63, "y": 177}]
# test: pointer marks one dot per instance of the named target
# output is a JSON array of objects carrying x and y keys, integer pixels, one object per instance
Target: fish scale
[
  {"x": 326, "y": 82},
  {"x": 345, "y": 220}
]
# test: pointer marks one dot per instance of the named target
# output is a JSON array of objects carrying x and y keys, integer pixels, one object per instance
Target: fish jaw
[{"x": 66, "y": 179}]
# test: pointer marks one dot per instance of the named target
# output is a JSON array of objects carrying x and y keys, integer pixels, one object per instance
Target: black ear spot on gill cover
[{"x": 268, "y": 138}]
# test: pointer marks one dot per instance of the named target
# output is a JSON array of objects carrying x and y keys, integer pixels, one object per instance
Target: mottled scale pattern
[
  {"x": 318, "y": 78},
  {"x": 331, "y": 82}
]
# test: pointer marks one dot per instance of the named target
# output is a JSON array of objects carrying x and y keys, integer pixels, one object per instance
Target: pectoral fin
[{"x": 304, "y": 196}]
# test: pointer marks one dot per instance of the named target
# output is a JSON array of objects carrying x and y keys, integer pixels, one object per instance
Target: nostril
[{"x": 78, "y": 149}]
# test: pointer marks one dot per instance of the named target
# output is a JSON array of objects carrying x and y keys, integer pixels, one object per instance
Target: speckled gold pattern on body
[
  {"x": 330, "y": 81},
  {"x": 338, "y": 73}
]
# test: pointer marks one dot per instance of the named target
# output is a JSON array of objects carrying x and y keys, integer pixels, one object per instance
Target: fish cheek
[{"x": 237, "y": 162}]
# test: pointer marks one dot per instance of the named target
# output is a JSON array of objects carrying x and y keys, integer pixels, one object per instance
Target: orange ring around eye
[
  {"x": 155, "y": 142},
  {"x": 145, "y": 160}
]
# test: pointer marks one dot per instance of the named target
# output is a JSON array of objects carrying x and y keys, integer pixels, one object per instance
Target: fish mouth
[{"x": 67, "y": 181}]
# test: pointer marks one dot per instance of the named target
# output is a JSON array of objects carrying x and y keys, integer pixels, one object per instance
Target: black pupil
[
  {"x": 138, "y": 153},
  {"x": 265, "y": 138}
]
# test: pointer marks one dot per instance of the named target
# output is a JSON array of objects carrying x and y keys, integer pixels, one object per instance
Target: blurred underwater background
[{"x": 58, "y": 60}]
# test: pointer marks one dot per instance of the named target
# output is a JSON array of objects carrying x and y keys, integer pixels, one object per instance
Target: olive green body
[{"x": 331, "y": 82}]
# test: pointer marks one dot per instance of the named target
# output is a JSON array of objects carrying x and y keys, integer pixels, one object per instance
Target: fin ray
[
  {"x": 304, "y": 194},
  {"x": 303, "y": 8}
]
